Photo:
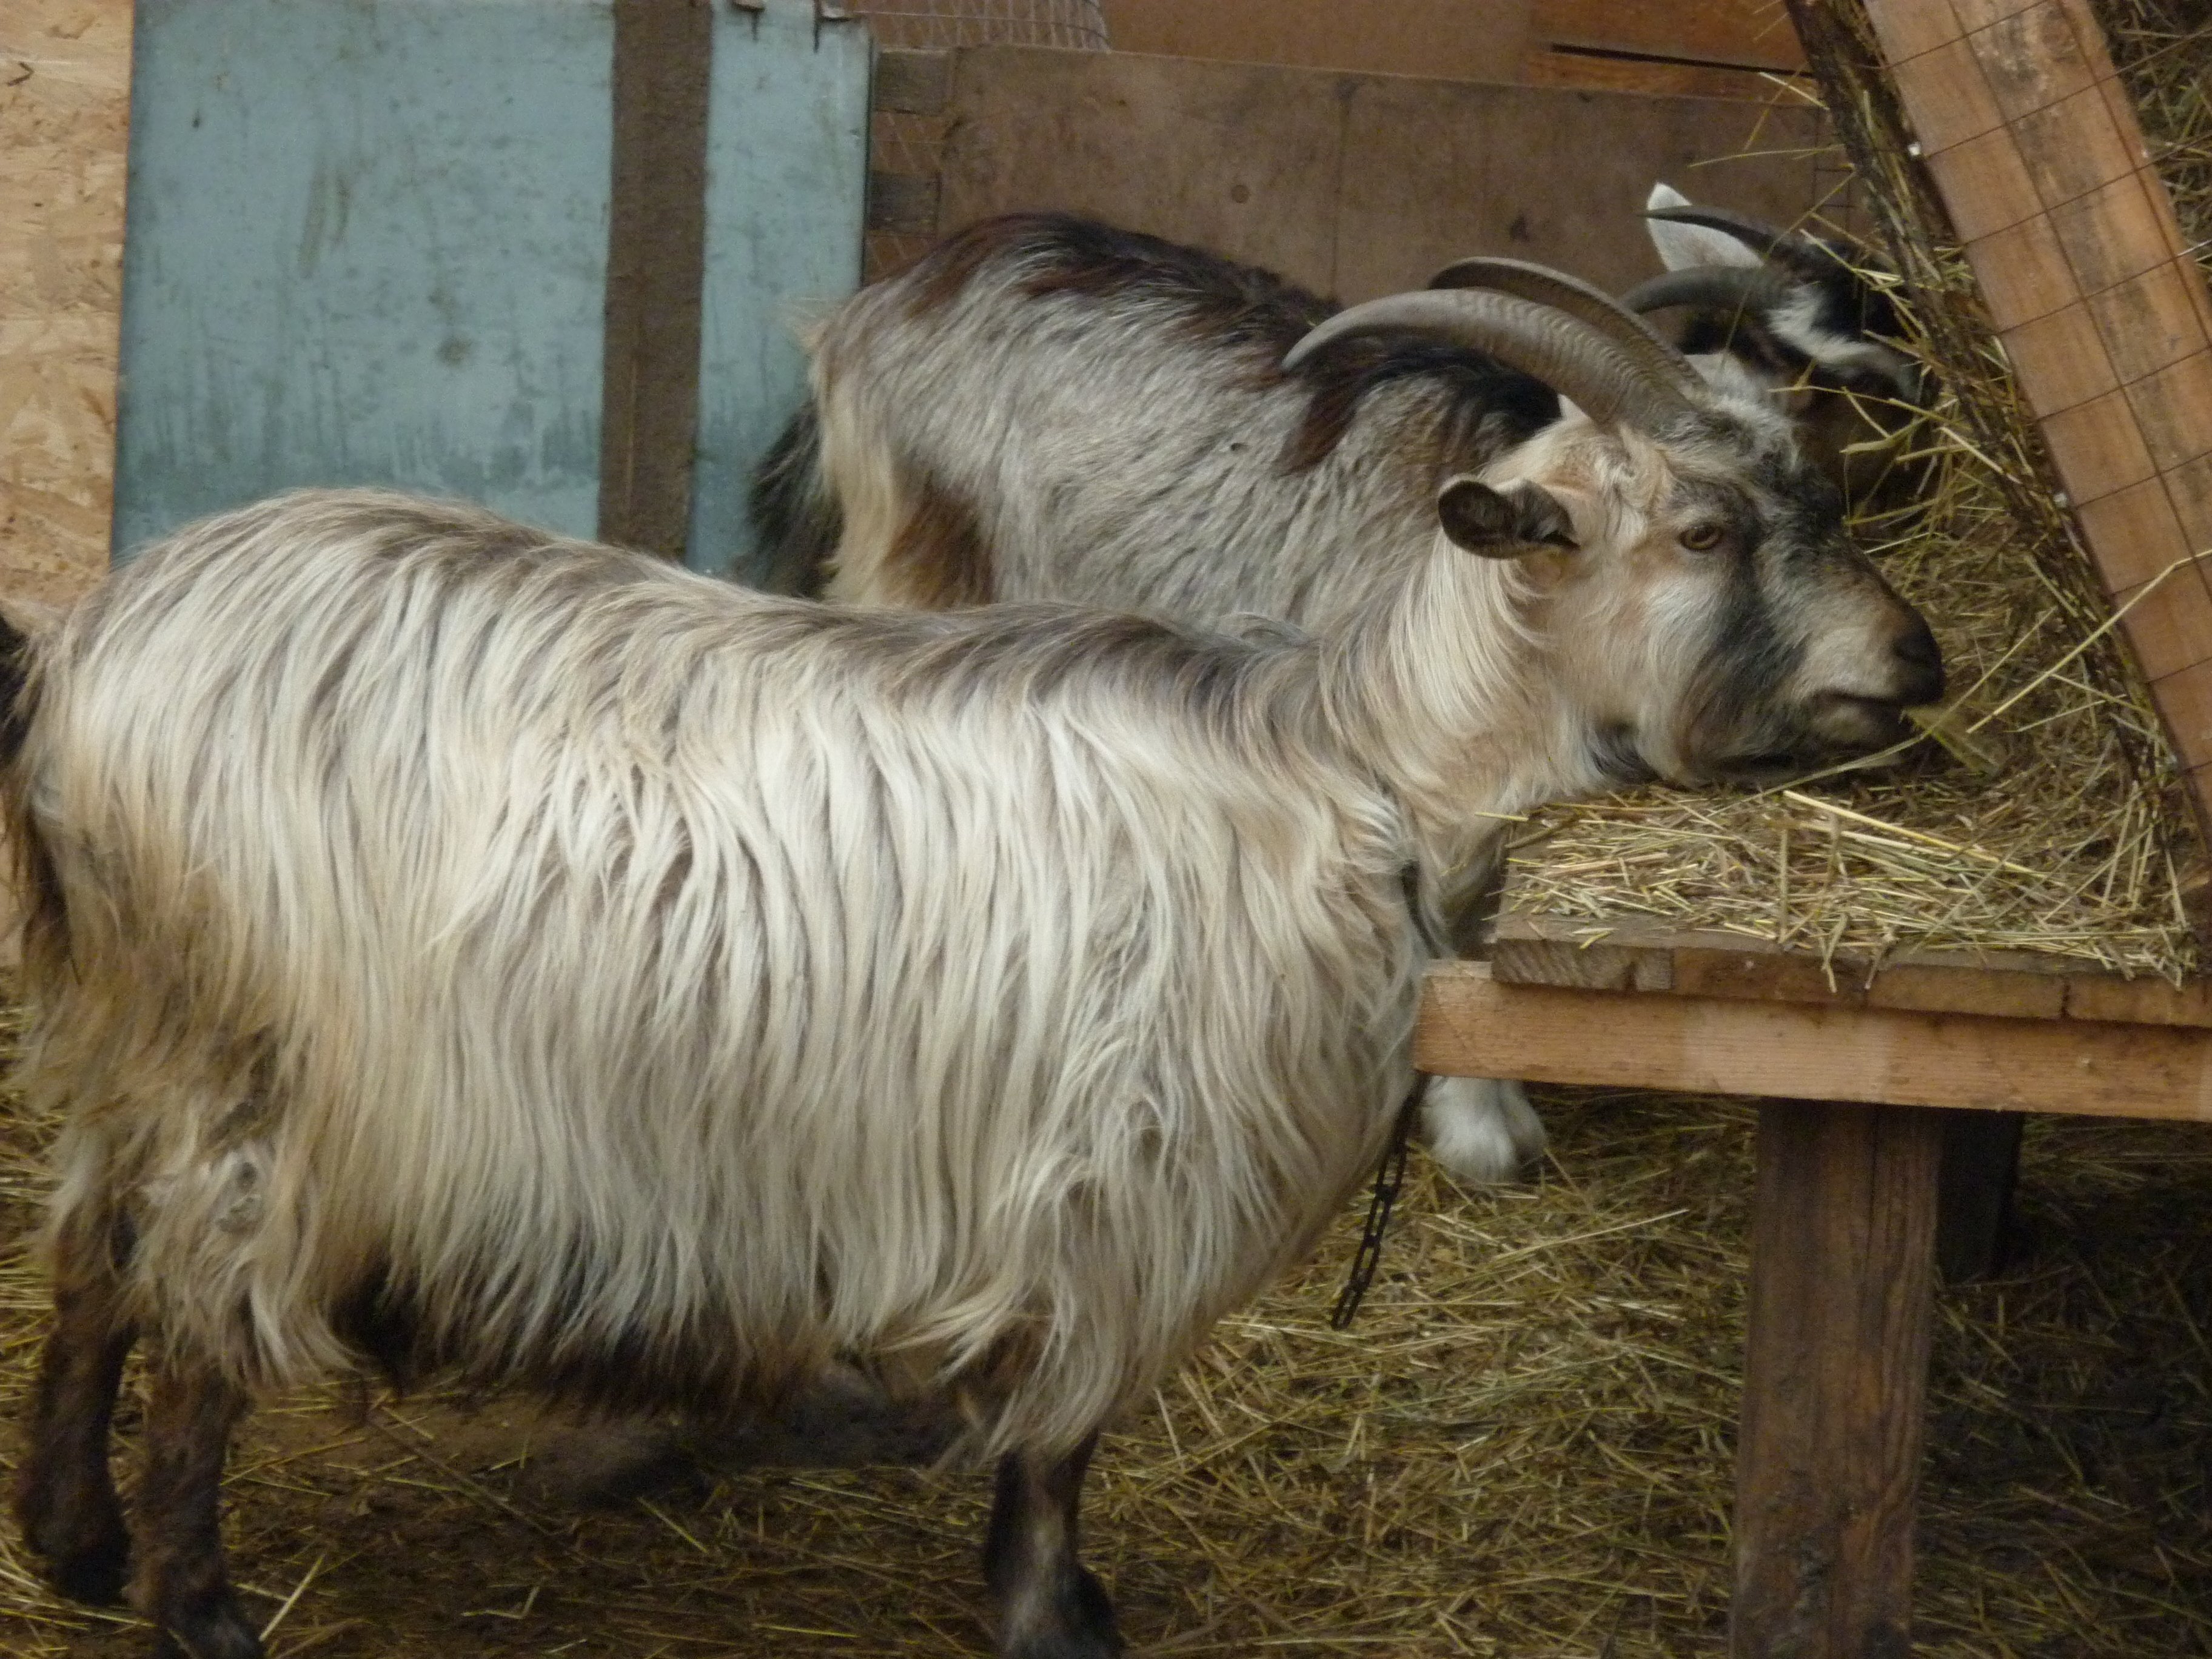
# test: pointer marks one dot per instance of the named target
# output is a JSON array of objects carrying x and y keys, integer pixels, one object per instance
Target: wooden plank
[
  {"x": 1473, "y": 1026},
  {"x": 1741, "y": 33},
  {"x": 1563, "y": 66},
  {"x": 911, "y": 82},
  {"x": 2035, "y": 148},
  {"x": 1454, "y": 39},
  {"x": 1351, "y": 185},
  {"x": 357, "y": 255},
  {"x": 656, "y": 262},
  {"x": 1835, "y": 1379},
  {"x": 787, "y": 198},
  {"x": 65, "y": 109},
  {"x": 1648, "y": 955}
]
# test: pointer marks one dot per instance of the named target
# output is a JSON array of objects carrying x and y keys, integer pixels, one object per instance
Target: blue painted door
[{"x": 367, "y": 244}]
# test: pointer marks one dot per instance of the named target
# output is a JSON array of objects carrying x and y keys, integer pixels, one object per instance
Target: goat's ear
[
  {"x": 1503, "y": 523},
  {"x": 1683, "y": 247}
]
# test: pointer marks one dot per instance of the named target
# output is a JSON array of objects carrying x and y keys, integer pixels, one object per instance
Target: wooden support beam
[
  {"x": 1472, "y": 1026},
  {"x": 1835, "y": 1376},
  {"x": 1636, "y": 955},
  {"x": 656, "y": 272}
]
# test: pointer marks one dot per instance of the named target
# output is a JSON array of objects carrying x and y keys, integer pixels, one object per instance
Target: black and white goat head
[
  {"x": 1792, "y": 315},
  {"x": 1685, "y": 560}
]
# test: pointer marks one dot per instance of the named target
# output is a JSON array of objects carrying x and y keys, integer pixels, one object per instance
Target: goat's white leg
[
  {"x": 1480, "y": 1128},
  {"x": 1049, "y": 1605}
]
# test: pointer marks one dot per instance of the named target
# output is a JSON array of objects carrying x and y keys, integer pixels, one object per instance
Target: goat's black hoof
[
  {"x": 86, "y": 1559},
  {"x": 94, "y": 1575},
  {"x": 210, "y": 1627},
  {"x": 1081, "y": 1625}
]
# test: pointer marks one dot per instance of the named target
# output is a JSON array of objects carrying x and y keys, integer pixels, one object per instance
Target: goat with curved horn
[
  {"x": 1609, "y": 382},
  {"x": 1800, "y": 253},
  {"x": 1544, "y": 286}
]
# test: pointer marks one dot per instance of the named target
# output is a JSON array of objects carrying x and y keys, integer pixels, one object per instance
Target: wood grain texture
[
  {"x": 1353, "y": 186},
  {"x": 2040, "y": 161},
  {"x": 1835, "y": 1376},
  {"x": 656, "y": 270},
  {"x": 1650, "y": 956},
  {"x": 1744, "y": 33},
  {"x": 64, "y": 121},
  {"x": 1471, "y": 1025}
]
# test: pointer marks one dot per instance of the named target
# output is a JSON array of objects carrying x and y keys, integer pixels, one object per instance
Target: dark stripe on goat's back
[
  {"x": 1485, "y": 408},
  {"x": 1223, "y": 301},
  {"x": 937, "y": 561}
]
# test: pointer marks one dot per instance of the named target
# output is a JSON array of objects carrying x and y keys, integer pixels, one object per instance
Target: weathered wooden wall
[
  {"x": 65, "y": 110},
  {"x": 1354, "y": 185},
  {"x": 1707, "y": 48}
]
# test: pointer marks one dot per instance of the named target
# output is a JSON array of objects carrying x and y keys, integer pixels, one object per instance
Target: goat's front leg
[
  {"x": 181, "y": 1585},
  {"x": 1482, "y": 1129},
  {"x": 65, "y": 1499},
  {"x": 1049, "y": 1605}
]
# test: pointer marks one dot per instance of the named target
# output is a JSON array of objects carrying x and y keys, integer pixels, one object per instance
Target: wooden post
[
  {"x": 1835, "y": 1374},
  {"x": 656, "y": 265}
]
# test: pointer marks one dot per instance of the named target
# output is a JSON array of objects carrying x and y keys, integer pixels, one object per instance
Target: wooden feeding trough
[{"x": 1869, "y": 1071}]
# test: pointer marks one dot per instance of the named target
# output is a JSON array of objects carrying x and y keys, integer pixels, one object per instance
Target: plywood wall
[{"x": 65, "y": 110}]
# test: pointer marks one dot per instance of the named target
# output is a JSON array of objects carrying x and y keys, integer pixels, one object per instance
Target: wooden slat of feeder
[
  {"x": 1471, "y": 1025},
  {"x": 1572, "y": 953},
  {"x": 2034, "y": 146}
]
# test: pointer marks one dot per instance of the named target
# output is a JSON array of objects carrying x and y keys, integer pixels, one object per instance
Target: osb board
[
  {"x": 1354, "y": 185},
  {"x": 65, "y": 109},
  {"x": 2035, "y": 148}
]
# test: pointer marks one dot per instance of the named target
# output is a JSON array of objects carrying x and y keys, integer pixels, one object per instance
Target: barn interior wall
[{"x": 64, "y": 114}]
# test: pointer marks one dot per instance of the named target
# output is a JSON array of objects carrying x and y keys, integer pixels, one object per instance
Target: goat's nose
[{"x": 1920, "y": 665}]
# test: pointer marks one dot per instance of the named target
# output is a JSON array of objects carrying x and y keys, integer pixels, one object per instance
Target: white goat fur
[{"x": 616, "y": 962}]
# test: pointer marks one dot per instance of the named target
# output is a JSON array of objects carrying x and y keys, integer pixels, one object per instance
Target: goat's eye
[{"x": 1702, "y": 538}]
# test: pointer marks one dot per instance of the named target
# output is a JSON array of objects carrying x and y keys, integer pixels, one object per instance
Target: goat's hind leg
[
  {"x": 65, "y": 1499},
  {"x": 1049, "y": 1605},
  {"x": 181, "y": 1584}
]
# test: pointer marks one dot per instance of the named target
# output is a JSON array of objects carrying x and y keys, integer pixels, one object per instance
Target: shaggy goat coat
[{"x": 482, "y": 950}]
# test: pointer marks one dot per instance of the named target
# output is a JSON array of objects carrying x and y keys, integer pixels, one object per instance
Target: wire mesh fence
[
  {"x": 909, "y": 145},
  {"x": 1077, "y": 23}
]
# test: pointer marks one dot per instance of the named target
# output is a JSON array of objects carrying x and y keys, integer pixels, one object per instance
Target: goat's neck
[{"x": 1443, "y": 688}]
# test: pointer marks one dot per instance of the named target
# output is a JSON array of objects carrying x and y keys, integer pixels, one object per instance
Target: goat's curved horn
[
  {"x": 1792, "y": 250},
  {"x": 1740, "y": 288},
  {"x": 1611, "y": 386},
  {"x": 1555, "y": 288}
]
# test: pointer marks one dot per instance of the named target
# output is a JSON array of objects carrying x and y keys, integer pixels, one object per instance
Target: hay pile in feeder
[{"x": 2052, "y": 819}]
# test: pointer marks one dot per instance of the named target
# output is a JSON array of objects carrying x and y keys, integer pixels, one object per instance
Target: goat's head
[
  {"x": 1682, "y": 567},
  {"x": 1786, "y": 313}
]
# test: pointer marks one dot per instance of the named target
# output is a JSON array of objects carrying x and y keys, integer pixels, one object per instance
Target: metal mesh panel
[
  {"x": 984, "y": 22},
  {"x": 909, "y": 144}
]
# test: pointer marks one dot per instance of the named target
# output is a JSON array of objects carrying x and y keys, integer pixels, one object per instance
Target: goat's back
[
  {"x": 526, "y": 957},
  {"x": 1051, "y": 409}
]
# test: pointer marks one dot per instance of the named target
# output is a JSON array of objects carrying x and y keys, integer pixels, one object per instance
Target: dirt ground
[{"x": 1521, "y": 1448}]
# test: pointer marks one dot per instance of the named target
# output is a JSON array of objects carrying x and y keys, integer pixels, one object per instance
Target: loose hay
[
  {"x": 1522, "y": 1449},
  {"x": 2055, "y": 822}
]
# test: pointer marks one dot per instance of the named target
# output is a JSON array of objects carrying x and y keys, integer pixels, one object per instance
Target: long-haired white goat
[
  {"x": 1048, "y": 408},
  {"x": 454, "y": 949}
]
